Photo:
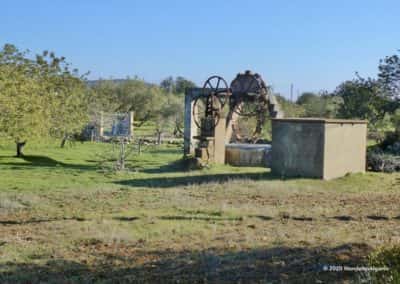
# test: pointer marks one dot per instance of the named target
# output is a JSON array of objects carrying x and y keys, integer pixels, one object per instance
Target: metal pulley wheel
[{"x": 208, "y": 107}]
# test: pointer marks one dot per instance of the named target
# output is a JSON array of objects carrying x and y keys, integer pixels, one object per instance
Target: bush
[
  {"x": 391, "y": 143},
  {"x": 381, "y": 129},
  {"x": 386, "y": 257},
  {"x": 396, "y": 120},
  {"x": 379, "y": 161},
  {"x": 385, "y": 157},
  {"x": 394, "y": 149}
]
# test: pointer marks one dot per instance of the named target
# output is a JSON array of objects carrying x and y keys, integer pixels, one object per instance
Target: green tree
[
  {"x": 313, "y": 104},
  {"x": 168, "y": 85},
  {"x": 148, "y": 101},
  {"x": 307, "y": 98},
  {"x": 169, "y": 117},
  {"x": 68, "y": 96},
  {"x": 38, "y": 97},
  {"x": 176, "y": 86},
  {"x": 396, "y": 121},
  {"x": 138, "y": 96},
  {"x": 389, "y": 76},
  {"x": 181, "y": 84},
  {"x": 320, "y": 105},
  {"x": 103, "y": 96},
  {"x": 362, "y": 99},
  {"x": 289, "y": 108}
]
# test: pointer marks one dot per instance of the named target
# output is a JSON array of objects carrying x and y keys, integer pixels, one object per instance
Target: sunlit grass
[{"x": 59, "y": 204}]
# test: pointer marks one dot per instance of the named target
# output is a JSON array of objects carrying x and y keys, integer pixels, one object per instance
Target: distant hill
[{"x": 92, "y": 83}]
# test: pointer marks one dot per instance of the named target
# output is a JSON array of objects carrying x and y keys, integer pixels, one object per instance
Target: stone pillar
[
  {"x": 101, "y": 125},
  {"x": 131, "y": 120},
  {"x": 189, "y": 125},
  {"x": 231, "y": 121},
  {"x": 219, "y": 141}
]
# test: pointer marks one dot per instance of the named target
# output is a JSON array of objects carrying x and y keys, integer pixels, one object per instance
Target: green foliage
[
  {"x": 176, "y": 86},
  {"x": 381, "y": 128},
  {"x": 385, "y": 156},
  {"x": 181, "y": 84},
  {"x": 320, "y": 105},
  {"x": 103, "y": 96},
  {"x": 389, "y": 76},
  {"x": 140, "y": 97},
  {"x": 169, "y": 114},
  {"x": 289, "y": 108},
  {"x": 150, "y": 103},
  {"x": 390, "y": 142},
  {"x": 389, "y": 258},
  {"x": 168, "y": 84},
  {"x": 378, "y": 161},
  {"x": 374, "y": 100},
  {"x": 306, "y": 98},
  {"x": 332, "y": 105},
  {"x": 22, "y": 115},
  {"x": 40, "y": 96},
  {"x": 146, "y": 100},
  {"x": 68, "y": 105},
  {"x": 362, "y": 99},
  {"x": 396, "y": 120}
]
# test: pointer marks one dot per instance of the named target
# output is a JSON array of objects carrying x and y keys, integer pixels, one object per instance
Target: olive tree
[{"x": 38, "y": 97}]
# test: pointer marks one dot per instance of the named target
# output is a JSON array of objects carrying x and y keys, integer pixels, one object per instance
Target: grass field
[{"x": 63, "y": 220}]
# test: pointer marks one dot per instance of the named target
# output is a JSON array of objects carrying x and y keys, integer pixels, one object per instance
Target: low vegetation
[
  {"x": 388, "y": 257},
  {"x": 63, "y": 220}
]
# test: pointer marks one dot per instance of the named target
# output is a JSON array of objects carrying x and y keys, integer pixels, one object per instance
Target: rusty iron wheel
[{"x": 215, "y": 94}]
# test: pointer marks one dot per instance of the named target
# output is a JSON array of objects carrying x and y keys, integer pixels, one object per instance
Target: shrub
[
  {"x": 389, "y": 142},
  {"x": 379, "y": 161},
  {"x": 385, "y": 157},
  {"x": 386, "y": 257},
  {"x": 396, "y": 120},
  {"x": 394, "y": 149}
]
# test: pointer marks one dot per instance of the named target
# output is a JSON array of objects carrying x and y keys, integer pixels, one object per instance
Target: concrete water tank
[
  {"x": 248, "y": 155},
  {"x": 316, "y": 147}
]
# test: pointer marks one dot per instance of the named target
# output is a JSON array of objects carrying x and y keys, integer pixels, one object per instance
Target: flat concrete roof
[{"x": 320, "y": 120}]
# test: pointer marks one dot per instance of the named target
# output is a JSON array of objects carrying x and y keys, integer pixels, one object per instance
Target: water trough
[{"x": 248, "y": 155}]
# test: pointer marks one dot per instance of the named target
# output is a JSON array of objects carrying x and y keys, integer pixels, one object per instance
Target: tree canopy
[
  {"x": 320, "y": 105},
  {"x": 389, "y": 76},
  {"x": 176, "y": 86},
  {"x": 40, "y": 96}
]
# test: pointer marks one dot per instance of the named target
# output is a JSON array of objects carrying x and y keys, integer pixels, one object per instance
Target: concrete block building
[{"x": 318, "y": 148}]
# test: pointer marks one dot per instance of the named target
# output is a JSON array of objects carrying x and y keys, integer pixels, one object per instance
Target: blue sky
[{"x": 313, "y": 44}]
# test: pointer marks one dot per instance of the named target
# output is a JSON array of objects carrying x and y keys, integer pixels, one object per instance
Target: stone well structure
[
  {"x": 301, "y": 147},
  {"x": 247, "y": 96}
]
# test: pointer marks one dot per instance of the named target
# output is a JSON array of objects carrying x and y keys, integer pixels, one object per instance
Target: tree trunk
[
  {"x": 139, "y": 146},
  {"x": 122, "y": 156},
  {"x": 159, "y": 137},
  {"x": 20, "y": 146},
  {"x": 63, "y": 141}
]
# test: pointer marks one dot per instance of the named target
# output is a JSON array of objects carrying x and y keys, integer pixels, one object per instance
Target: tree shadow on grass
[
  {"x": 171, "y": 167},
  {"x": 124, "y": 263},
  {"x": 166, "y": 182},
  {"x": 44, "y": 161},
  {"x": 199, "y": 218}
]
